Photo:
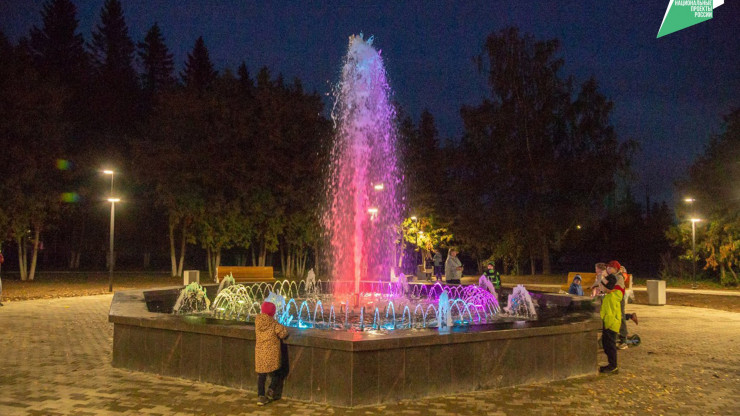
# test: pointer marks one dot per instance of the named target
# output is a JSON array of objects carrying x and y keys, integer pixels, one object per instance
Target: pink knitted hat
[{"x": 268, "y": 308}]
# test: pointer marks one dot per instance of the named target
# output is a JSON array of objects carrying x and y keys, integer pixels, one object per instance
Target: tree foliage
[
  {"x": 712, "y": 183},
  {"x": 537, "y": 160}
]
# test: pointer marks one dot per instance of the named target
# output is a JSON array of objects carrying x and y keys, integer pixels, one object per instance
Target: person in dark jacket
[{"x": 437, "y": 259}]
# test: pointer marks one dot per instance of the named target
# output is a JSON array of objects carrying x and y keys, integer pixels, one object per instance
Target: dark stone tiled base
[{"x": 355, "y": 369}]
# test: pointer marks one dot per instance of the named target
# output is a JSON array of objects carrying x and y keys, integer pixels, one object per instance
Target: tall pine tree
[
  {"x": 157, "y": 62},
  {"x": 113, "y": 54},
  {"x": 199, "y": 73},
  {"x": 57, "y": 47}
]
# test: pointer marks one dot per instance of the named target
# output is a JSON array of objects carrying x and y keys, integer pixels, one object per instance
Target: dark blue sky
[{"x": 669, "y": 93}]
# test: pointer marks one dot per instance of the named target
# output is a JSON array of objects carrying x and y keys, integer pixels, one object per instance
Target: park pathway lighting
[
  {"x": 378, "y": 186},
  {"x": 112, "y": 201},
  {"x": 111, "y": 173},
  {"x": 693, "y": 248},
  {"x": 111, "y": 258},
  {"x": 691, "y": 200}
]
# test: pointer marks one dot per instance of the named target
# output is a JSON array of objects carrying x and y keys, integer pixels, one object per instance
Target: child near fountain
[
  {"x": 611, "y": 315},
  {"x": 267, "y": 357},
  {"x": 493, "y": 276}
]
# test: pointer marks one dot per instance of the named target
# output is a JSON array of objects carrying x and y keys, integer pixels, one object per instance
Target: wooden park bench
[
  {"x": 587, "y": 280},
  {"x": 246, "y": 274}
]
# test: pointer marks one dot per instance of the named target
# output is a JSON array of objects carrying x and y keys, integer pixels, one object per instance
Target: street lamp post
[
  {"x": 112, "y": 218},
  {"x": 693, "y": 248},
  {"x": 112, "y": 257},
  {"x": 691, "y": 200}
]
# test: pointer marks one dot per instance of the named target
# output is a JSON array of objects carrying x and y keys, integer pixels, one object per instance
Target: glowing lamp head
[
  {"x": 578, "y": 226},
  {"x": 108, "y": 172},
  {"x": 378, "y": 187},
  {"x": 689, "y": 200},
  {"x": 413, "y": 218},
  {"x": 372, "y": 211},
  {"x": 695, "y": 220},
  {"x": 114, "y": 199}
]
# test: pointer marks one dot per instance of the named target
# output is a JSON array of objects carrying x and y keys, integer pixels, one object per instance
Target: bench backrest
[
  {"x": 246, "y": 273},
  {"x": 588, "y": 279}
]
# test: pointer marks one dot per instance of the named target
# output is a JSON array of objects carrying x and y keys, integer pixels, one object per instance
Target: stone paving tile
[{"x": 55, "y": 360}]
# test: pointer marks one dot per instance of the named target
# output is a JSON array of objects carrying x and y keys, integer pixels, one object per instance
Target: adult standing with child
[
  {"x": 615, "y": 269},
  {"x": 611, "y": 319}
]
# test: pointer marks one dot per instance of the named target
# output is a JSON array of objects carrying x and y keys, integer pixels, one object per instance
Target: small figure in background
[
  {"x": 437, "y": 259},
  {"x": 267, "y": 353},
  {"x": 493, "y": 276},
  {"x": 575, "y": 287}
]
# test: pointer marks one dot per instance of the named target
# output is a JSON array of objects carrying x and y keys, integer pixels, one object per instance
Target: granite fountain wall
[{"x": 354, "y": 369}]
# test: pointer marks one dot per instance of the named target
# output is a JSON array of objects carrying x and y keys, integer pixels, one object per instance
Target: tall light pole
[
  {"x": 112, "y": 257},
  {"x": 112, "y": 201},
  {"x": 693, "y": 247},
  {"x": 691, "y": 200}
]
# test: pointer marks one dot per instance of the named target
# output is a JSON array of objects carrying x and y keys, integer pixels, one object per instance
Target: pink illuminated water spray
[{"x": 364, "y": 205}]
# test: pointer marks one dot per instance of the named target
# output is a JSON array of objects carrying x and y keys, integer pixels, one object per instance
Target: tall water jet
[{"x": 364, "y": 206}]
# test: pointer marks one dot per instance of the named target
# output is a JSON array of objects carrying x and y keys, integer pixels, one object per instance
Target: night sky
[{"x": 669, "y": 93}]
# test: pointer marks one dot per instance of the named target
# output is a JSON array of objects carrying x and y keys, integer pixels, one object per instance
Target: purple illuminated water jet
[{"x": 364, "y": 208}]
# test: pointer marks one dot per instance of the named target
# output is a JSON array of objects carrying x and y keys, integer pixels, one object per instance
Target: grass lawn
[{"x": 56, "y": 285}]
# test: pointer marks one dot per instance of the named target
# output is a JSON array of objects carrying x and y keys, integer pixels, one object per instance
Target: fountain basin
[{"x": 346, "y": 368}]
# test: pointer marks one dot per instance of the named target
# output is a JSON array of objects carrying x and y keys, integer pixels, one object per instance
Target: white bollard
[
  {"x": 190, "y": 276},
  {"x": 656, "y": 292}
]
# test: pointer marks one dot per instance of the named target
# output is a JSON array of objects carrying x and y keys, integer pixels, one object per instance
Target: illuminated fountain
[
  {"x": 364, "y": 205},
  {"x": 384, "y": 306},
  {"x": 365, "y": 337},
  {"x": 362, "y": 225}
]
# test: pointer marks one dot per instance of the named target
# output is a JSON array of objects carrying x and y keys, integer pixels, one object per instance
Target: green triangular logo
[{"x": 681, "y": 14}]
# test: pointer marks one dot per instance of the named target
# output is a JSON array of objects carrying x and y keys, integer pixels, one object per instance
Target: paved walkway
[{"x": 55, "y": 360}]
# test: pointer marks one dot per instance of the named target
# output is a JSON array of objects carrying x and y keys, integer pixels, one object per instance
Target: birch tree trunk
[
  {"x": 217, "y": 262},
  {"x": 282, "y": 261},
  {"x": 35, "y": 255},
  {"x": 263, "y": 254},
  {"x": 182, "y": 252},
  {"x": 173, "y": 255},
  {"x": 531, "y": 263},
  {"x": 546, "y": 269},
  {"x": 21, "y": 258},
  {"x": 209, "y": 262}
]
